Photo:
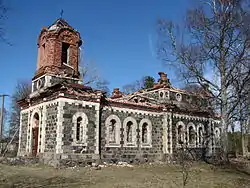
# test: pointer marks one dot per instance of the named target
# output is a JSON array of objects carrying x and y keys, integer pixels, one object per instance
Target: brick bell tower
[{"x": 58, "y": 56}]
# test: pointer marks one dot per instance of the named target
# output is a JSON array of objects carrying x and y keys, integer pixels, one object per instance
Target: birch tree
[{"x": 215, "y": 38}]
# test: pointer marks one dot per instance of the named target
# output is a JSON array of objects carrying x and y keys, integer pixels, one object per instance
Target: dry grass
[{"x": 143, "y": 176}]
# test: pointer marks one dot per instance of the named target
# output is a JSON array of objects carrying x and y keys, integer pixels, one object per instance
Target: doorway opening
[{"x": 35, "y": 130}]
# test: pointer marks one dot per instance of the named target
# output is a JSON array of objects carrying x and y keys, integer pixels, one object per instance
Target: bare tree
[
  {"x": 215, "y": 37},
  {"x": 22, "y": 90},
  {"x": 90, "y": 76},
  {"x": 133, "y": 87},
  {"x": 145, "y": 82}
]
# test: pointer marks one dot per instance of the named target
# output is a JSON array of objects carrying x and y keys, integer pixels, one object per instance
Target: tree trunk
[
  {"x": 242, "y": 138},
  {"x": 224, "y": 115}
]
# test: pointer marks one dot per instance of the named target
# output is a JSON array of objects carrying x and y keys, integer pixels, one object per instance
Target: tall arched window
[
  {"x": 80, "y": 121},
  {"x": 78, "y": 128},
  {"x": 200, "y": 132},
  {"x": 130, "y": 126},
  {"x": 191, "y": 135},
  {"x": 180, "y": 133},
  {"x": 129, "y": 131},
  {"x": 145, "y": 127},
  {"x": 144, "y": 133},
  {"x": 112, "y": 131},
  {"x": 112, "y": 127},
  {"x": 200, "y": 135},
  {"x": 217, "y": 136}
]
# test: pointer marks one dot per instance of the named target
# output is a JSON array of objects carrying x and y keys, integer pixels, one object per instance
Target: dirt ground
[{"x": 142, "y": 176}]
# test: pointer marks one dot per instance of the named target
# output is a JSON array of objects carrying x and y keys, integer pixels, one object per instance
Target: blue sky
[{"x": 116, "y": 36}]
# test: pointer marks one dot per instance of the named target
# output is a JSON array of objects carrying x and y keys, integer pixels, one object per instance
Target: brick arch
[
  {"x": 133, "y": 127},
  {"x": 83, "y": 128},
  {"x": 149, "y": 132},
  {"x": 117, "y": 130}
]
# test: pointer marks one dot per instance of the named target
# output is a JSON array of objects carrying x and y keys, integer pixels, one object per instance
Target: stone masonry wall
[
  {"x": 196, "y": 151},
  {"x": 132, "y": 154},
  {"x": 69, "y": 110},
  {"x": 51, "y": 127},
  {"x": 24, "y": 126}
]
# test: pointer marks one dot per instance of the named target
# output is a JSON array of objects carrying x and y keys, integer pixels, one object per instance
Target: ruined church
[{"x": 62, "y": 119}]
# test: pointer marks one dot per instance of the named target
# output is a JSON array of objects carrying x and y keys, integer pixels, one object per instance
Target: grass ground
[{"x": 142, "y": 176}]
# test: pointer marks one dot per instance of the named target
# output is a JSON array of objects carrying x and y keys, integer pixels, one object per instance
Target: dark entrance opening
[{"x": 35, "y": 129}]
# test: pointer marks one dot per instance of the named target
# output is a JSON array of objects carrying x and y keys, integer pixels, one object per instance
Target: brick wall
[{"x": 53, "y": 50}]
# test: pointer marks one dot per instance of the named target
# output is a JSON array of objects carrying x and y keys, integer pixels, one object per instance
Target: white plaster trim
[
  {"x": 44, "y": 112},
  {"x": 20, "y": 134},
  {"x": 149, "y": 133},
  {"x": 59, "y": 128},
  {"x": 28, "y": 129},
  {"x": 171, "y": 133},
  {"x": 97, "y": 127},
  {"x": 70, "y": 101},
  {"x": 133, "y": 111},
  {"x": 134, "y": 127},
  {"x": 190, "y": 118},
  {"x": 117, "y": 131},
  {"x": 165, "y": 134}
]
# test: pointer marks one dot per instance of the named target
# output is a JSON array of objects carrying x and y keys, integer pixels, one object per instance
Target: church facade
[{"x": 64, "y": 120}]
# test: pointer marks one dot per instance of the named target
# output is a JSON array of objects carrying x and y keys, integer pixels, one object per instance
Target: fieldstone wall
[
  {"x": 128, "y": 153},
  {"x": 195, "y": 151},
  {"x": 24, "y": 127},
  {"x": 68, "y": 147},
  {"x": 51, "y": 127}
]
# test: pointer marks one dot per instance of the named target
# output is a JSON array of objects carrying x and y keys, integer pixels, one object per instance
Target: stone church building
[{"x": 62, "y": 119}]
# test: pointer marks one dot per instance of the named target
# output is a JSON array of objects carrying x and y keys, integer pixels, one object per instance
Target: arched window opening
[
  {"x": 200, "y": 135},
  {"x": 35, "y": 132},
  {"x": 144, "y": 133},
  {"x": 112, "y": 131},
  {"x": 217, "y": 136},
  {"x": 191, "y": 135},
  {"x": 78, "y": 128},
  {"x": 129, "y": 131},
  {"x": 180, "y": 134},
  {"x": 36, "y": 120}
]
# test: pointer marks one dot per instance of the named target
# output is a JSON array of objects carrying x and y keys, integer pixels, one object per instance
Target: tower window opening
[{"x": 65, "y": 53}]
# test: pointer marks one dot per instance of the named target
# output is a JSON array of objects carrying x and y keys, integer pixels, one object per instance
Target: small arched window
[
  {"x": 78, "y": 128},
  {"x": 112, "y": 126},
  {"x": 129, "y": 131},
  {"x": 200, "y": 135},
  {"x": 144, "y": 133},
  {"x": 145, "y": 127},
  {"x": 112, "y": 131},
  {"x": 217, "y": 136},
  {"x": 191, "y": 135},
  {"x": 80, "y": 121},
  {"x": 130, "y": 126},
  {"x": 180, "y": 134}
]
